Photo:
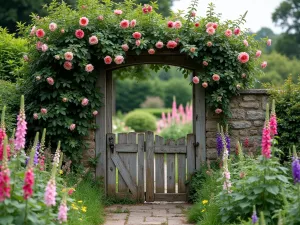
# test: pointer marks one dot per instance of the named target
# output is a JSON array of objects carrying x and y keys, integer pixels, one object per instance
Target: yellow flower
[
  {"x": 61, "y": 172},
  {"x": 80, "y": 201},
  {"x": 203, "y": 210},
  {"x": 83, "y": 208},
  {"x": 80, "y": 219},
  {"x": 75, "y": 208},
  {"x": 204, "y": 202}
]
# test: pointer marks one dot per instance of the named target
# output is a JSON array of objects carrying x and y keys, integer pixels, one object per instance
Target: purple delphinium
[
  {"x": 296, "y": 170},
  {"x": 36, "y": 155},
  {"x": 254, "y": 217},
  {"x": 219, "y": 144},
  {"x": 227, "y": 143}
]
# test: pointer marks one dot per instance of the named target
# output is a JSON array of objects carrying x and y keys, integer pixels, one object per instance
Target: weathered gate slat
[
  {"x": 126, "y": 147},
  {"x": 170, "y": 149},
  {"x": 171, "y": 169},
  {"x": 141, "y": 158},
  {"x": 150, "y": 166},
  {"x": 131, "y": 162},
  {"x": 191, "y": 166},
  {"x": 159, "y": 166},
  {"x": 181, "y": 167},
  {"x": 111, "y": 168},
  {"x": 122, "y": 139}
]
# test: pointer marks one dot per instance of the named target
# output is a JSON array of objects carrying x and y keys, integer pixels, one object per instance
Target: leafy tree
[{"x": 267, "y": 32}]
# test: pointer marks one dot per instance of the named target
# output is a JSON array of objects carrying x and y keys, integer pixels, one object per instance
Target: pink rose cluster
[
  {"x": 211, "y": 28},
  {"x": 68, "y": 57},
  {"x": 177, "y": 24},
  {"x": 147, "y": 9}
]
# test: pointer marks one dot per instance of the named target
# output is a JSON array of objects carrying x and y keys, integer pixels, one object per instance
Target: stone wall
[{"x": 248, "y": 114}]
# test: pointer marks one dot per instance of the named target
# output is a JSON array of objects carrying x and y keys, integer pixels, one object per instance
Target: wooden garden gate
[{"x": 145, "y": 168}]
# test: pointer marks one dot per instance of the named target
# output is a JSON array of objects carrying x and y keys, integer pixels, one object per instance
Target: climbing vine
[{"x": 69, "y": 47}]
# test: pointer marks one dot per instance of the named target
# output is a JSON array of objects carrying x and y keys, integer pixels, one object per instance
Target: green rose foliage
[{"x": 77, "y": 84}]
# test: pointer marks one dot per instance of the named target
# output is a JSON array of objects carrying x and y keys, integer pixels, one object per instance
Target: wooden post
[
  {"x": 149, "y": 166},
  {"x": 100, "y": 136},
  {"x": 141, "y": 155}
]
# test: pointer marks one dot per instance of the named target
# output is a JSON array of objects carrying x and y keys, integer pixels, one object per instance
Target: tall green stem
[{"x": 26, "y": 209}]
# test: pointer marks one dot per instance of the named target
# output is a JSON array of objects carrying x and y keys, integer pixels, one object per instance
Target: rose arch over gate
[{"x": 74, "y": 51}]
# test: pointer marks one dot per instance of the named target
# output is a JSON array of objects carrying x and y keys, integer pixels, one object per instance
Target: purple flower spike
[
  {"x": 227, "y": 143},
  {"x": 254, "y": 217},
  {"x": 219, "y": 144},
  {"x": 296, "y": 170}
]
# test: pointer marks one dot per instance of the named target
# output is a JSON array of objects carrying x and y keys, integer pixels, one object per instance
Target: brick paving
[{"x": 147, "y": 214}]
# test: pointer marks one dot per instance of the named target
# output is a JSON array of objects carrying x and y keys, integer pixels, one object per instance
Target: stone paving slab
[{"x": 147, "y": 214}]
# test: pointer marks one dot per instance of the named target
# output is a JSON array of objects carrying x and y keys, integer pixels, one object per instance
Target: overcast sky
[{"x": 259, "y": 11}]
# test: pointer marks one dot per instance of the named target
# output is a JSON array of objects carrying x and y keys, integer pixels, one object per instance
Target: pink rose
[
  {"x": 147, "y": 9},
  {"x": 170, "y": 24},
  {"x": 84, "y": 102},
  {"x": 209, "y": 44},
  {"x": 197, "y": 24},
  {"x": 93, "y": 40},
  {"x": 159, "y": 44},
  {"x": 68, "y": 65},
  {"x": 25, "y": 57},
  {"x": 218, "y": 111},
  {"x": 124, "y": 24},
  {"x": 258, "y": 53},
  {"x": 177, "y": 24},
  {"x": 210, "y": 30},
  {"x": 50, "y": 80},
  {"x": 216, "y": 77},
  {"x": 205, "y": 63},
  {"x": 244, "y": 75},
  {"x": 237, "y": 31},
  {"x": 269, "y": 42},
  {"x": 57, "y": 57},
  {"x": 193, "y": 13},
  {"x": 245, "y": 43},
  {"x": 89, "y": 68},
  {"x": 62, "y": 31},
  {"x": 44, "y": 48},
  {"x": 210, "y": 24},
  {"x": 95, "y": 113},
  {"x": 83, "y": 21},
  {"x": 119, "y": 59},
  {"x": 125, "y": 47},
  {"x": 38, "y": 77},
  {"x": 39, "y": 45},
  {"x": 264, "y": 64},
  {"x": 151, "y": 51},
  {"x": 192, "y": 49},
  {"x": 79, "y": 34},
  {"x": 172, "y": 44},
  {"x": 64, "y": 99},
  {"x": 40, "y": 33},
  {"x": 138, "y": 43},
  {"x": 68, "y": 56},
  {"x": 243, "y": 57},
  {"x": 33, "y": 30},
  {"x": 100, "y": 18},
  {"x": 132, "y": 23},
  {"x": 196, "y": 80},
  {"x": 107, "y": 60},
  {"x": 204, "y": 84},
  {"x": 215, "y": 26},
  {"x": 35, "y": 116},
  {"x": 137, "y": 35},
  {"x": 228, "y": 33},
  {"x": 44, "y": 111},
  {"x": 72, "y": 127},
  {"x": 52, "y": 26},
  {"x": 118, "y": 12}
]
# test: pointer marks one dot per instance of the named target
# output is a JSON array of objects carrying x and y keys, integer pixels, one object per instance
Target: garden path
[{"x": 147, "y": 214}]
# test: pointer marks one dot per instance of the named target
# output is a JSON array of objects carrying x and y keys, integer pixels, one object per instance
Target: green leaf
[{"x": 273, "y": 189}]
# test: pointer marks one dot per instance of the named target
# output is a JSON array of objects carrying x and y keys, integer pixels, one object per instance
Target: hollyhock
[
  {"x": 227, "y": 137},
  {"x": 192, "y": 49},
  {"x": 246, "y": 142},
  {"x": 35, "y": 116},
  {"x": 193, "y": 13},
  {"x": 50, "y": 80},
  {"x": 52, "y": 26},
  {"x": 56, "y": 156},
  {"x": 159, "y": 44},
  {"x": 57, "y": 57},
  {"x": 124, "y": 24},
  {"x": 62, "y": 212},
  {"x": 266, "y": 137},
  {"x": 216, "y": 77},
  {"x": 79, "y": 34},
  {"x": 269, "y": 42},
  {"x": 209, "y": 44},
  {"x": 68, "y": 65},
  {"x": 119, "y": 59},
  {"x": 246, "y": 43},
  {"x": 197, "y": 24},
  {"x": 147, "y": 9},
  {"x": 172, "y": 44},
  {"x": 84, "y": 102},
  {"x": 132, "y": 23},
  {"x": 83, "y": 21},
  {"x": 237, "y": 31},
  {"x": 205, "y": 63},
  {"x": 4, "y": 183},
  {"x": 107, "y": 60},
  {"x": 296, "y": 170},
  {"x": 138, "y": 43},
  {"x": 210, "y": 30},
  {"x": 118, "y": 12},
  {"x": 44, "y": 48},
  {"x": 243, "y": 57},
  {"x": 40, "y": 33},
  {"x": 137, "y": 35},
  {"x": 258, "y": 53},
  {"x": 33, "y": 30},
  {"x": 196, "y": 80},
  {"x": 125, "y": 47},
  {"x": 264, "y": 64},
  {"x": 95, "y": 113},
  {"x": 151, "y": 51},
  {"x": 44, "y": 111},
  {"x": 69, "y": 56},
  {"x": 177, "y": 24},
  {"x": 228, "y": 33},
  {"x": 36, "y": 155},
  {"x": 174, "y": 108},
  {"x": 72, "y": 127},
  {"x": 89, "y": 68},
  {"x": 28, "y": 184},
  {"x": 273, "y": 121},
  {"x": 25, "y": 57},
  {"x": 93, "y": 40},
  {"x": 204, "y": 84},
  {"x": 100, "y": 18},
  {"x": 209, "y": 24},
  {"x": 218, "y": 111},
  {"x": 50, "y": 193},
  {"x": 39, "y": 45},
  {"x": 21, "y": 127}
]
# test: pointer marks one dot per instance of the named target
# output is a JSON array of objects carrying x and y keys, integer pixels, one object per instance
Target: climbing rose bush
[{"x": 78, "y": 43}]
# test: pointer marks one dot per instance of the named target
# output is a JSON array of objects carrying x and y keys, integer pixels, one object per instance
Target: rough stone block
[
  {"x": 264, "y": 101},
  {"x": 249, "y": 98},
  {"x": 258, "y": 123},
  {"x": 254, "y": 105},
  {"x": 211, "y": 153},
  {"x": 240, "y": 124},
  {"x": 156, "y": 219},
  {"x": 238, "y": 114},
  {"x": 210, "y": 134},
  {"x": 211, "y": 125},
  {"x": 211, "y": 142},
  {"x": 248, "y": 132},
  {"x": 255, "y": 115}
]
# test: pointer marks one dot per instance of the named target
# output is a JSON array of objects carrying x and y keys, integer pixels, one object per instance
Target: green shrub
[
  {"x": 155, "y": 112},
  {"x": 177, "y": 131},
  {"x": 140, "y": 121},
  {"x": 11, "y": 51}
]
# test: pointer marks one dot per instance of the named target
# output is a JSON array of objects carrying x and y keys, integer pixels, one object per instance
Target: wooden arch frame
[{"x": 104, "y": 117}]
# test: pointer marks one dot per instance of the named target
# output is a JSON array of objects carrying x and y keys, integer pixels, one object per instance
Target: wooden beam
[
  {"x": 169, "y": 149},
  {"x": 170, "y": 197},
  {"x": 126, "y": 148}
]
